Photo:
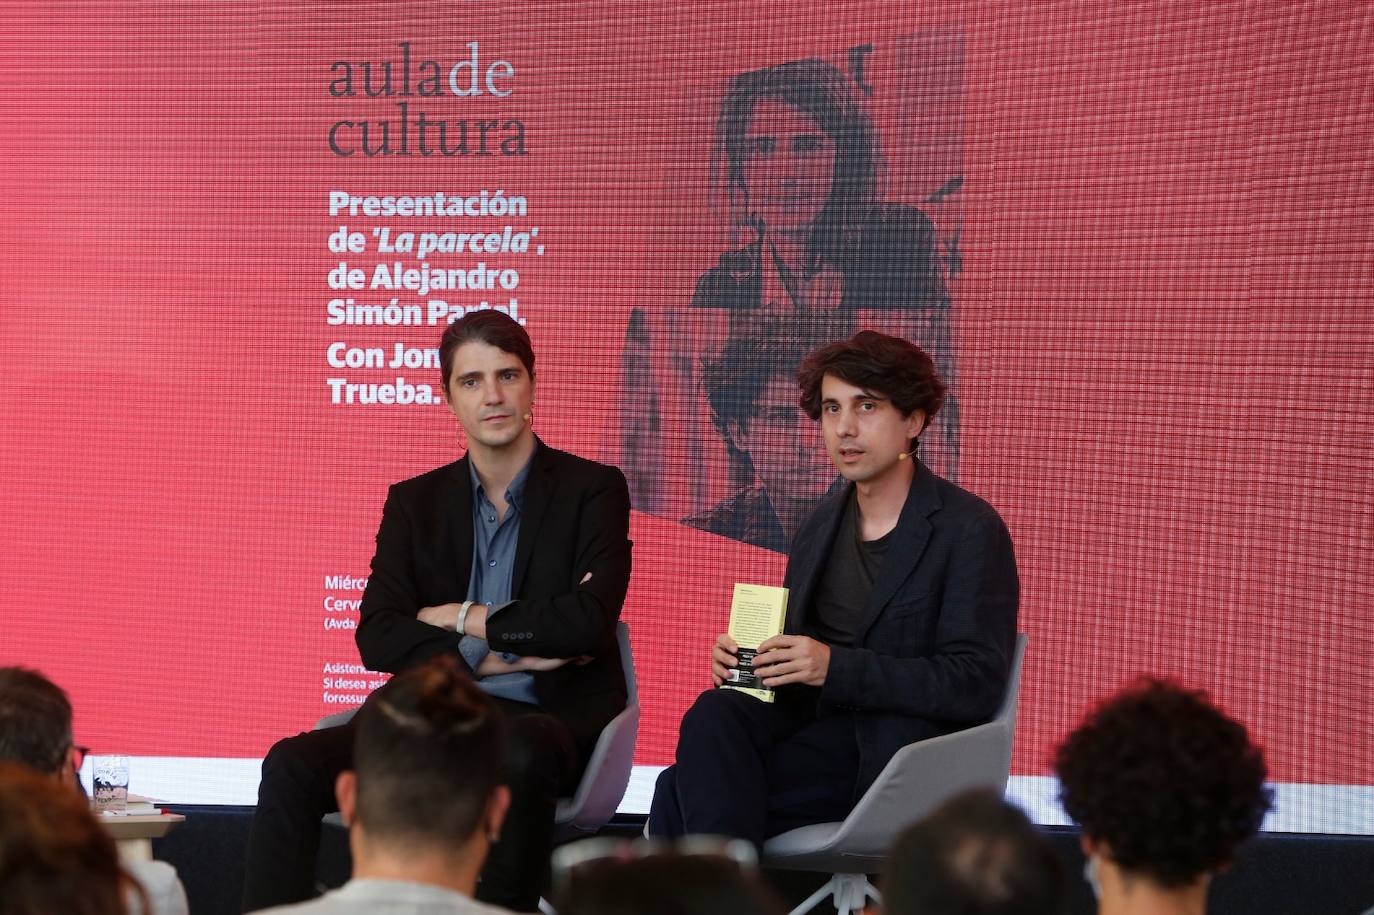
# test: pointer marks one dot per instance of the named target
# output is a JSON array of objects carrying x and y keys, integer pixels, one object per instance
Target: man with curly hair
[
  {"x": 1164, "y": 787},
  {"x": 901, "y": 618}
]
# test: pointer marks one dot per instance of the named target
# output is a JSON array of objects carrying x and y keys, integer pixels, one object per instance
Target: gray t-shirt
[
  {"x": 846, "y": 582},
  {"x": 389, "y": 897}
]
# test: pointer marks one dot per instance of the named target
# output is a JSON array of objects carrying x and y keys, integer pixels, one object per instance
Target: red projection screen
[{"x": 1137, "y": 242}]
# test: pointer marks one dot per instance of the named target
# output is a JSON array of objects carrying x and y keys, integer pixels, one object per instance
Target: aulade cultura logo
[{"x": 408, "y": 129}]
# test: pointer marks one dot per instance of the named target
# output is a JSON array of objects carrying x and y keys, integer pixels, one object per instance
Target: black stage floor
[{"x": 1277, "y": 874}]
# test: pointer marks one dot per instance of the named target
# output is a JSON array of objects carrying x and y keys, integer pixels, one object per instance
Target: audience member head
[
  {"x": 633, "y": 878},
  {"x": 974, "y": 855},
  {"x": 35, "y": 722},
  {"x": 54, "y": 855},
  {"x": 1164, "y": 787},
  {"x": 427, "y": 765}
]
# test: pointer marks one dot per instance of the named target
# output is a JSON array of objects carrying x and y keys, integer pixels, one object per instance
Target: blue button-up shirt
[{"x": 493, "y": 566}]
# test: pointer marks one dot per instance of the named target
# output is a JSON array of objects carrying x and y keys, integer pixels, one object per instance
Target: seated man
[
  {"x": 516, "y": 560},
  {"x": 1165, "y": 787},
  {"x": 419, "y": 834},
  {"x": 901, "y": 620},
  {"x": 975, "y": 854},
  {"x": 36, "y": 732}
]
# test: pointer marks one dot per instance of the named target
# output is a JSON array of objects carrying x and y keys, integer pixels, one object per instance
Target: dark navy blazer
[{"x": 936, "y": 638}]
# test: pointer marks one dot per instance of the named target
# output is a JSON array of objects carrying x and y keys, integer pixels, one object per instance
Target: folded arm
[
  {"x": 579, "y": 620},
  {"x": 391, "y": 636}
]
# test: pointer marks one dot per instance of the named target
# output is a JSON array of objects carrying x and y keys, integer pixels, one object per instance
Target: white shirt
[{"x": 166, "y": 895}]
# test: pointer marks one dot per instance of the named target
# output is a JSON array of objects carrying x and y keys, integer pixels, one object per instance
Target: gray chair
[
  {"x": 607, "y": 774},
  {"x": 915, "y": 781},
  {"x": 608, "y": 770}
]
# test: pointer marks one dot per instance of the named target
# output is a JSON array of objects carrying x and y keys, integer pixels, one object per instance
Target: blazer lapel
[
  {"x": 539, "y": 490},
  {"x": 810, "y": 558},
  {"x": 459, "y": 516},
  {"x": 909, "y": 539}
]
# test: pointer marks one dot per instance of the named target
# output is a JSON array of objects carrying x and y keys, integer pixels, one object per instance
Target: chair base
[{"x": 849, "y": 893}]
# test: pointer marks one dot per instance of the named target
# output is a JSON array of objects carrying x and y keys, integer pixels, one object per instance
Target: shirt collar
[
  {"x": 515, "y": 492},
  {"x": 404, "y": 891}
]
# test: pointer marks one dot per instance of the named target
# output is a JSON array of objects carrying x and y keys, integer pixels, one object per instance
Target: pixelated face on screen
[
  {"x": 864, "y": 432},
  {"x": 789, "y": 166},
  {"x": 784, "y": 445},
  {"x": 490, "y": 393}
]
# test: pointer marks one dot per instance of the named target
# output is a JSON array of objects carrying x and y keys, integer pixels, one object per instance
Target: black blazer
[
  {"x": 575, "y": 519},
  {"x": 935, "y": 641}
]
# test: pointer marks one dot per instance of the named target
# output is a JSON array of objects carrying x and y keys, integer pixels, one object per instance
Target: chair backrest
[
  {"x": 922, "y": 775},
  {"x": 608, "y": 770},
  {"x": 627, "y": 663}
]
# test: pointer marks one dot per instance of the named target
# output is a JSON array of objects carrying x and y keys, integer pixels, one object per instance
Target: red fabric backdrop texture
[{"x": 1157, "y": 247}]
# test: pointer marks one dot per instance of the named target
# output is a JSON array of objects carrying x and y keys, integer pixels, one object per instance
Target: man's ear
[
  {"x": 346, "y": 791},
  {"x": 497, "y": 806},
  {"x": 69, "y": 773},
  {"x": 915, "y": 423}
]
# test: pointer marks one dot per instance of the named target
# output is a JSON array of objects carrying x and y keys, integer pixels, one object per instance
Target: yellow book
[{"x": 757, "y": 613}]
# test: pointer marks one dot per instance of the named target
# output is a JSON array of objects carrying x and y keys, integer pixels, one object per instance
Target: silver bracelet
[{"x": 463, "y": 616}]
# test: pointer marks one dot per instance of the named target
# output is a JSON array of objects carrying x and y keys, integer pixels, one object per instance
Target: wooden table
[{"x": 134, "y": 835}]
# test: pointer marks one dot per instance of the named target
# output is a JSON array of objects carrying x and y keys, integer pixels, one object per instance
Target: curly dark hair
[
  {"x": 888, "y": 366},
  {"x": 1168, "y": 782}
]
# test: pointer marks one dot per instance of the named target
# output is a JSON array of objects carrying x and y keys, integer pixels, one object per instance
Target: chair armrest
[
  {"x": 334, "y": 720},
  {"x": 918, "y": 778}
]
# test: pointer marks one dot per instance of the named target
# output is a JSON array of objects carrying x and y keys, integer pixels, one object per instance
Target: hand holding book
[
  {"x": 785, "y": 659},
  {"x": 757, "y": 613}
]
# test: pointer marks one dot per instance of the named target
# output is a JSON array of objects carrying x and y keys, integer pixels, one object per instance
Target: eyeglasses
[{"x": 80, "y": 758}]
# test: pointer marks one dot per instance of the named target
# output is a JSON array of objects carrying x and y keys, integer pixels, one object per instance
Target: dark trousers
[
  {"x": 754, "y": 769},
  {"x": 297, "y": 789}
]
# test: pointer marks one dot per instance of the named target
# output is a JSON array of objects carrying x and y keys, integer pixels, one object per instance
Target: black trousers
[
  {"x": 754, "y": 769},
  {"x": 297, "y": 789}
]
